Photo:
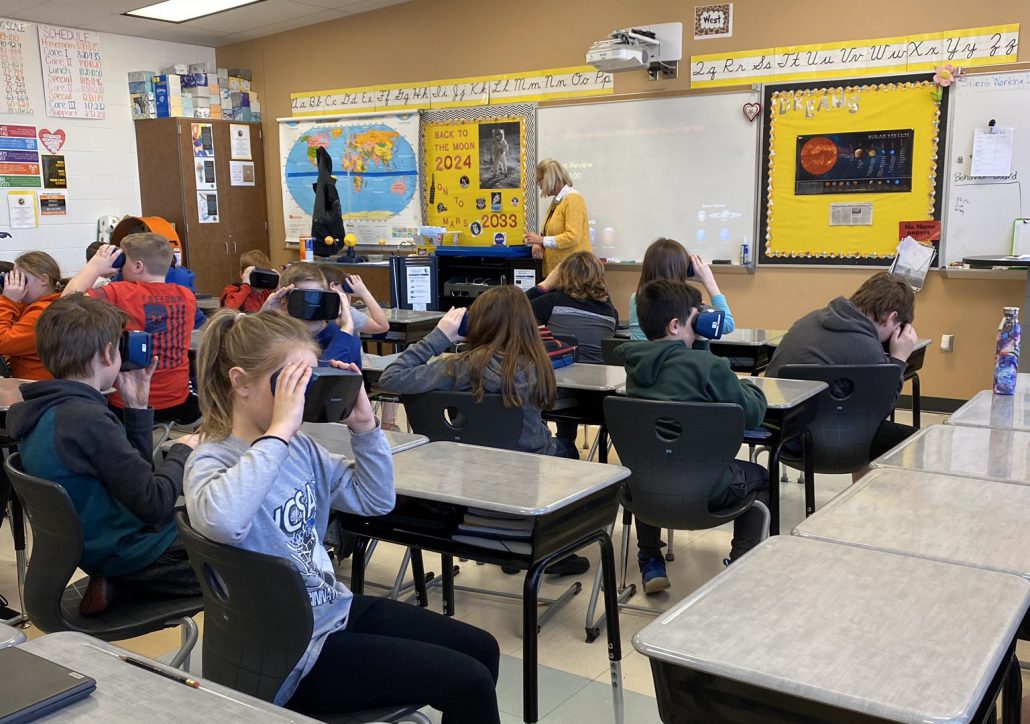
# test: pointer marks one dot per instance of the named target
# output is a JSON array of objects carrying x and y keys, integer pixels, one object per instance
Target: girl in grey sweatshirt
[{"x": 259, "y": 483}]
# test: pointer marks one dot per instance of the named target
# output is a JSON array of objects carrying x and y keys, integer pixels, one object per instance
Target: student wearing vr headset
[
  {"x": 103, "y": 459},
  {"x": 257, "y": 280},
  {"x": 28, "y": 289},
  {"x": 305, "y": 294},
  {"x": 258, "y": 482},
  {"x": 668, "y": 259},
  {"x": 667, "y": 368}
]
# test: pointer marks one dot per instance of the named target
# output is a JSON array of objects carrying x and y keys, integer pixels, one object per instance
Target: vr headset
[
  {"x": 313, "y": 305},
  {"x": 263, "y": 279},
  {"x": 708, "y": 323},
  {"x": 463, "y": 328},
  {"x": 119, "y": 261},
  {"x": 330, "y": 395},
  {"x": 136, "y": 350}
]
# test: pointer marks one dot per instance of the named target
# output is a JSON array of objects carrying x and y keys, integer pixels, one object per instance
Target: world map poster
[{"x": 375, "y": 163}]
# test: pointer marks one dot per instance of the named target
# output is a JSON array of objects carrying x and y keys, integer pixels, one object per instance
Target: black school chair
[
  {"x": 676, "y": 451},
  {"x": 52, "y": 605},
  {"x": 608, "y": 347},
  {"x": 258, "y": 622},
  {"x": 849, "y": 411}
]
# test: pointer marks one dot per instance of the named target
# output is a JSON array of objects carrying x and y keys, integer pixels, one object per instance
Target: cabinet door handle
[
  {"x": 226, "y": 246},
  {"x": 234, "y": 247}
]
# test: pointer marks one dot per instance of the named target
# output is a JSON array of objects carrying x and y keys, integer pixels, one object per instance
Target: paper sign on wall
[
  {"x": 203, "y": 140},
  {"x": 14, "y": 97},
  {"x": 992, "y": 151},
  {"x": 53, "y": 203},
  {"x": 205, "y": 172},
  {"x": 73, "y": 73},
  {"x": 22, "y": 207},
  {"x": 241, "y": 173},
  {"x": 239, "y": 141},
  {"x": 19, "y": 157},
  {"x": 55, "y": 175},
  {"x": 207, "y": 207}
]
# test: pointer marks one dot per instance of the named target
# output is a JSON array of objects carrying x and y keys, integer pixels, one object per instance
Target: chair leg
[
  {"x": 916, "y": 404},
  {"x": 766, "y": 518},
  {"x": 188, "y": 635},
  {"x": 809, "y": 475},
  {"x": 166, "y": 432},
  {"x": 670, "y": 554},
  {"x": 586, "y": 437}
]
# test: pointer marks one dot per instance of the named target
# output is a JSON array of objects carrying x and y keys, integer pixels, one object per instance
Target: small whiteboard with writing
[{"x": 979, "y": 210}]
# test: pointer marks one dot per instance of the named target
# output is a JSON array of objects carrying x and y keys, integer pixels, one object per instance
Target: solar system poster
[{"x": 854, "y": 162}]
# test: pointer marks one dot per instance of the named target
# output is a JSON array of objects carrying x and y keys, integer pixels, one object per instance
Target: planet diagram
[{"x": 819, "y": 155}]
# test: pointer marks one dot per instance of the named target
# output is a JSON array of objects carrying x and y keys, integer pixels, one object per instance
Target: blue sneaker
[{"x": 652, "y": 570}]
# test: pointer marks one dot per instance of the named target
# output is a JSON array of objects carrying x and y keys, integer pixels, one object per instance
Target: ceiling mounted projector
[{"x": 654, "y": 48}]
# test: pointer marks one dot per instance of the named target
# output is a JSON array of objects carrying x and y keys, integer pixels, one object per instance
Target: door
[{"x": 247, "y": 224}]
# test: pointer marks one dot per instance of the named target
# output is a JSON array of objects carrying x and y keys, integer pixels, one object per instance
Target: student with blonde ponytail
[
  {"x": 256, "y": 481},
  {"x": 29, "y": 288}
]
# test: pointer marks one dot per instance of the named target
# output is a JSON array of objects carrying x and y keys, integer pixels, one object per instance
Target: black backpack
[{"x": 327, "y": 217}]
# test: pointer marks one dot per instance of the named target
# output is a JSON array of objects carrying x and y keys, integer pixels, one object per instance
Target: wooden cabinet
[{"x": 168, "y": 188}]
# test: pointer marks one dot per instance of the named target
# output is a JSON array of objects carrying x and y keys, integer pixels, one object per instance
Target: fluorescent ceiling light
[{"x": 180, "y": 11}]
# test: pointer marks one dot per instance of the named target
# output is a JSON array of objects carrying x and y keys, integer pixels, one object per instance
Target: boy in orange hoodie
[
  {"x": 242, "y": 296},
  {"x": 28, "y": 289}
]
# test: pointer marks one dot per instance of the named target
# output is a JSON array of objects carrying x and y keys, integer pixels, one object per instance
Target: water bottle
[
  {"x": 1006, "y": 365},
  {"x": 745, "y": 253},
  {"x": 309, "y": 249}
]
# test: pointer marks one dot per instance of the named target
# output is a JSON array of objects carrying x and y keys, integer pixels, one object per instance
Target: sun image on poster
[
  {"x": 375, "y": 162},
  {"x": 475, "y": 172},
  {"x": 845, "y": 164},
  {"x": 862, "y": 162}
]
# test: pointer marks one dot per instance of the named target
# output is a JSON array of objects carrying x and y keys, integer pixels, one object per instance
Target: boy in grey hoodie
[{"x": 854, "y": 332}]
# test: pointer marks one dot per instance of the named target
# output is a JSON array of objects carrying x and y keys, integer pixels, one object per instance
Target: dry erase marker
[{"x": 188, "y": 681}]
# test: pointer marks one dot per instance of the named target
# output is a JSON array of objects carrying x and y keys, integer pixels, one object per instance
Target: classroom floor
[{"x": 573, "y": 675}]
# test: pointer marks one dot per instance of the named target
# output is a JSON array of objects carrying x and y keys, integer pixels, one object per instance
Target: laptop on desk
[{"x": 31, "y": 686}]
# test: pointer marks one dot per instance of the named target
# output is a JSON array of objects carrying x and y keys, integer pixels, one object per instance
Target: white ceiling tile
[
  {"x": 9, "y": 8},
  {"x": 269, "y": 12}
]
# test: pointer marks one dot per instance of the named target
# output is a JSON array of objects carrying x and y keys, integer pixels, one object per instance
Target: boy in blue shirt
[
  {"x": 71, "y": 437},
  {"x": 667, "y": 368}
]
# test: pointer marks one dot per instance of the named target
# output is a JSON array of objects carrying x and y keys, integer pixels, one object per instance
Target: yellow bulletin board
[
  {"x": 844, "y": 164},
  {"x": 476, "y": 174}
]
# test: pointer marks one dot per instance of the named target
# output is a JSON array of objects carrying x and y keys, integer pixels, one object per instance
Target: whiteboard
[
  {"x": 681, "y": 167},
  {"x": 979, "y": 212}
]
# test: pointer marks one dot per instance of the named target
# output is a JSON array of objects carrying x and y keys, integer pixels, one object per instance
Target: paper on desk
[
  {"x": 913, "y": 262},
  {"x": 992, "y": 152}
]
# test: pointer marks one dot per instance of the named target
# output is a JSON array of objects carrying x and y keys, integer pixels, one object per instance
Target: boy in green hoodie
[{"x": 667, "y": 368}]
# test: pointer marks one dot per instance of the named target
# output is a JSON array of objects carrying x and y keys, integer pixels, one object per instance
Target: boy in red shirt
[
  {"x": 243, "y": 296},
  {"x": 165, "y": 310}
]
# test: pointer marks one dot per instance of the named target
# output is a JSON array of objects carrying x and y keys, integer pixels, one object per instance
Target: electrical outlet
[{"x": 947, "y": 342}]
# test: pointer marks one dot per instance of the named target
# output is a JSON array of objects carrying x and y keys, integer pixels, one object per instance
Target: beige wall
[{"x": 431, "y": 39}]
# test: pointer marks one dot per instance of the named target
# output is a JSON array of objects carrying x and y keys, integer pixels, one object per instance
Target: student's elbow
[
  {"x": 382, "y": 503},
  {"x": 374, "y": 327}
]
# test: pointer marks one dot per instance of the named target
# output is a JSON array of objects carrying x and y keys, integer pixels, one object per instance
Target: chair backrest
[
  {"x": 677, "y": 451},
  {"x": 257, "y": 614},
  {"x": 858, "y": 399},
  {"x": 608, "y": 347},
  {"x": 56, "y": 545},
  {"x": 5, "y": 370},
  {"x": 457, "y": 417}
]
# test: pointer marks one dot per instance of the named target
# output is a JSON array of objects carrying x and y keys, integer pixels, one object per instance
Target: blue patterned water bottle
[{"x": 1006, "y": 364}]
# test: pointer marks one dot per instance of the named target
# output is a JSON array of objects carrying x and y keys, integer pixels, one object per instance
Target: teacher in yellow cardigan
[{"x": 566, "y": 228}]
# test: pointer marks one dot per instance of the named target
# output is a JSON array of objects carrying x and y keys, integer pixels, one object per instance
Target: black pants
[
  {"x": 888, "y": 434},
  {"x": 395, "y": 653},
  {"x": 748, "y": 478},
  {"x": 185, "y": 412}
]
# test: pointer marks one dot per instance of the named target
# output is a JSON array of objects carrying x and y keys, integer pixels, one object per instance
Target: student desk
[
  {"x": 972, "y": 452},
  {"x": 802, "y": 630},
  {"x": 10, "y": 636},
  {"x": 1003, "y": 412},
  {"x": 586, "y": 386},
  {"x": 128, "y": 694},
  {"x": 565, "y": 504},
  {"x": 407, "y": 326},
  {"x": 978, "y": 523},
  {"x": 207, "y": 304},
  {"x": 196, "y": 338},
  {"x": 372, "y": 366},
  {"x": 790, "y": 407},
  {"x": 335, "y": 437},
  {"x": 749, "y": 350}
]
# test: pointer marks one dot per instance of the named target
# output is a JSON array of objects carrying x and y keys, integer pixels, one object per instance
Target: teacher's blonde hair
[{"x": 552, "y": 177}]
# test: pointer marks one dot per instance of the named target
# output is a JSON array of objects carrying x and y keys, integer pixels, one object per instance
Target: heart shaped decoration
[
  {"x": 52, "y": 140},
  {"x": 751, "y": 111}
]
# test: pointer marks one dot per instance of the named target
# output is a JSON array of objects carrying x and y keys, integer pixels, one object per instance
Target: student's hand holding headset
[
  {"x": 357, "y": 285},
  {"x": 903, "y": 342},
  {"x": 703, "y": 273},
  {"x": 134, "y": 386},
  {"x": 288, "y": 401},
  {"x": 103, "y": 261},
  {"x": 277, "y": 299},
  {"x": 361, "y": 419},
  {"x": 344, "y": 321},
  {"x": 450, "y": 323},
  {"x": 16, "y": 285},
  {"x": 245, "y": 277}
]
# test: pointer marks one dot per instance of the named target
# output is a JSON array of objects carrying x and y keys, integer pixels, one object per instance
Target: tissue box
[
  {"x": 141, "y": 86},
  {"x": 136, "y": 76},
  {"x": 177, "y": 69},
  {"x": 243, "y": 73},
  {"x": 201, "y": 112},
  {"x": 216, "y": 112},
  {"x": 143, "y": 105},
  {"x": 200, "y": 68}
]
